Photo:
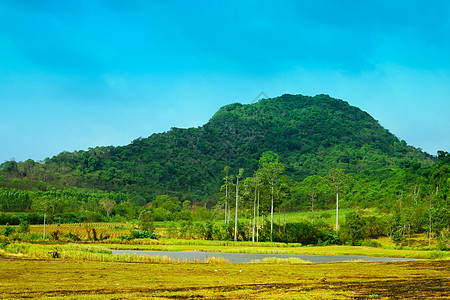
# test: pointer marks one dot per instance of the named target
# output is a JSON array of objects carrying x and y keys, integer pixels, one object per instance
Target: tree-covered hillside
[{"x": 310, "y": 134}]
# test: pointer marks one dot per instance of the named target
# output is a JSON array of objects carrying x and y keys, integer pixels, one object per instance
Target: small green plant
[
  {"x": 125, "y": 237},
  {"x": 24, "y": 226},
  {"x": 143, "y": 234},
  {"x": 118, "y": 227},
  {"x": 34, "y": 236},
  {"x": 73, "y": 236},
  {"x": 4, "y": 244},
  {"x": 371, "y": 243},
  {"x": 8, "y": 230}
]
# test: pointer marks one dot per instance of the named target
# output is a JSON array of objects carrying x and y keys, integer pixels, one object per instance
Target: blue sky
[{"x": 80, "y": 74}]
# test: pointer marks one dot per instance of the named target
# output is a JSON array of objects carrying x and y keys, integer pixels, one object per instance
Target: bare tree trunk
[
  {"x": 271, "y": 217},
  {"x": 43, "y": 236},
  {"x": 313, "y": 196},
  {"x": 226, "y": 199},
  {"x": 249, "y": 228},
  {"x": 257, "y": 222},
  {"x": 416, "y": 193},
  {"x": 226, "y": 208},
  {"x": 409, "y": 234},
  {"x": 236, "y": 215},
  {"x": 429, "y": 225},
  {"x": 279, "y": 221},
  {"x": 254, "y": 216},
  {"x": 337, "y": 210}
]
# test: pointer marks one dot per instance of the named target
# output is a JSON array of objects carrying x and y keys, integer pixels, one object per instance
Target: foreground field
[{"x": 71, "y": 279}]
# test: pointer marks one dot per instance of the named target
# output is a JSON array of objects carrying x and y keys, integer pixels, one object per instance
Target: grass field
[
  {"x": 90, "y": 271},
  {"x": 77, "y": 279}
]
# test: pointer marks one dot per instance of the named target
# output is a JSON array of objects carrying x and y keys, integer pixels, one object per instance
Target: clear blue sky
[{"x": 79, "y": 74}]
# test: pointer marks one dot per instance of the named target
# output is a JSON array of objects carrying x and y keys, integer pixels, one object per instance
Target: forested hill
[{"x": 310, "y": 134}]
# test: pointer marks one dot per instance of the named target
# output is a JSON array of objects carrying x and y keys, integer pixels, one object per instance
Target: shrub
[
  {"x": 67, "y": 218},
  {"x": 24, "y": 227},
  {"x": 55, "y": 234},
  {"x": 300, "y": 232},
  {"x": 34, "y": 236},
  {"x": 354, "y": 230},
  {"x": 73, "y": 236},
  {"x": 182, "y": 215},
  {"x": 4, "y": 244},
  {"x": 146, "y": 219},
  {"x": 371, "y": 243},
  {"x": 8, "y": 230},
  {"x": 161, "y": 214},
  {"x": 16, "y": 218},
  {"x": 172, "y": 230},
  {"x": 143, "y": 234}
]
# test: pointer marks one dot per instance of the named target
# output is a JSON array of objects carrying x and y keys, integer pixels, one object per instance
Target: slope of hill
[{"x": 311, "y": 135}]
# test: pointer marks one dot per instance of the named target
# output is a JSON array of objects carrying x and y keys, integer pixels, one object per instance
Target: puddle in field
[{"x": 248, "y": 257}]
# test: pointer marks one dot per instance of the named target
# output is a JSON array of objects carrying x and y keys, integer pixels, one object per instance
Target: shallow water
[{"x": 248, "y": 257}]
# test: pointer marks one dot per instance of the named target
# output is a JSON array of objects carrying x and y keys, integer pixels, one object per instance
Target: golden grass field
[
  {"x": 90, "y": 271},
  {"x": 77, "y": 279}
]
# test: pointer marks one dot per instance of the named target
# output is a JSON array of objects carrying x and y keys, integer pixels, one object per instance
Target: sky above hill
[{"x": 79, "y": 74}]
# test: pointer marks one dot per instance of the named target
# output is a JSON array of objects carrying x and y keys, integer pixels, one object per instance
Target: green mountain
[{"x": 310, "y": 134}]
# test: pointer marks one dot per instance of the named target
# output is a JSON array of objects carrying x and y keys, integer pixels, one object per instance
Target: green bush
[
  {"x": 354, "y": 229},
  {"x": 73, "y": 236},
  {"x": 172, "y": 230},
  {"x": 24, "y": 227},
  {"x": 146, "y": 219},
  {"x": 143, "y": 234},
  {"x": 16, "y": 218},
  {"x": 162, "y": 214},
  {"x": 4, "y": 244},
  {"x": 8, "y": 230},
  {"x": 66, "y": 218},
  {"x": 371, "y": 243},
  {"x": 301, "y": 232}
]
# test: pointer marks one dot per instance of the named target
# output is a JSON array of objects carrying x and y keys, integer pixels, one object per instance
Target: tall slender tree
[
  {"x": 42, "y": 204},
  {"x": 237, "y": 204},
  {"x": 337, "y": 179},
  {"x": 227, "y": 171},
  {"x": 256, "y": 182},
  {"x": 271, "y": 170},
  {"x": 108, "y": 205}
]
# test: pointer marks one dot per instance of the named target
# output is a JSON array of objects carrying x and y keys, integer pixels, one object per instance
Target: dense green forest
[
  {"x": 310, "y": 134},
  {"x": 303, "y": 140}
]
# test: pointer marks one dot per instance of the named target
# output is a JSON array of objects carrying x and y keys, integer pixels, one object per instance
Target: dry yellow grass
[{"x": 22, "y": 278}]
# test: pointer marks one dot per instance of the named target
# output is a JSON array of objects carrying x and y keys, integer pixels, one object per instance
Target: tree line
[{"x": 419, "y": 205}]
